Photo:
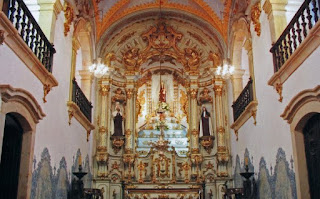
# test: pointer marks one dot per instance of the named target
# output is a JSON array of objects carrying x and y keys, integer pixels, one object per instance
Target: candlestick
[{"x": 79, "y": 160}]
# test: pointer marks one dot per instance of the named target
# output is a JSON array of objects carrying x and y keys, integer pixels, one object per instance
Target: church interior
[{"x": 159, "y": 99}]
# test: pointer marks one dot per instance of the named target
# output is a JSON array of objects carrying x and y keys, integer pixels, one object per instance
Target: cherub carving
[
  {"x": 193, "y": 58},
  {"x": 204, "y": 96},
  {"x": 119, "y": 96},
  {"x": 130, "y": 58}
]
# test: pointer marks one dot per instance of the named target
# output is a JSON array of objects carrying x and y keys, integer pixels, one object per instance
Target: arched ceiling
[{"x": 109, "y": 12}]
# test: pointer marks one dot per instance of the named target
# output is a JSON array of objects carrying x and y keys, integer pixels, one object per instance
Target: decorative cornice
[
  {"x": 21, "y": 96},
  {"x": 298, "y": 101}
]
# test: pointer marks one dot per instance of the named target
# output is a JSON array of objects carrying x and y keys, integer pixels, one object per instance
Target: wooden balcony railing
[
  {"x": 245, "y": 97},
  {"x": 29, "y": 30},
  {"x": 296, "y": 31},
  {"x": 81, "y": 100}
]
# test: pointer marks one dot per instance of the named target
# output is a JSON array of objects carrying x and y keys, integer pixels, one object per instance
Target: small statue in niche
[
  {"x": 117, "y": 121},
  {"x": 204, "y": 96},
  {"x": 162, "y": 93},
  {"x": 205, "y": 123}
]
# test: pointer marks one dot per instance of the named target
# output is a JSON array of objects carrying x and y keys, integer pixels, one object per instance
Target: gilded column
[
  {"x": 103, "y": 127},
  {"x": 129, "y": 121},
  {"x": 194, "y": 121},
  {"x": 223, "y": 153}
]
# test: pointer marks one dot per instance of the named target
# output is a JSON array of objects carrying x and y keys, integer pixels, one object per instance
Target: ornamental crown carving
[
  {"x": 119, "y": 96},
  {"x": 162, "y": 45}
]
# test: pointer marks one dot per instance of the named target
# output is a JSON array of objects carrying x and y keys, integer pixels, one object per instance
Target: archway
[
  {"x": 311, "y": 132},
  {"x": 10, "y": 157}
]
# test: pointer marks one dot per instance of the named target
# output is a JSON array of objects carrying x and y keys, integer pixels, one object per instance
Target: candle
[
  {"x": 246, "y": 161},
  {"x": 79, "y": 160}
]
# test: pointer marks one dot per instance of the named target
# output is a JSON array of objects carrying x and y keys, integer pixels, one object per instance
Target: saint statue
[
  {"x": 205, "y": 123},
  {"x": 117, "y": 121},
  {"x": 162, "y": 93}
]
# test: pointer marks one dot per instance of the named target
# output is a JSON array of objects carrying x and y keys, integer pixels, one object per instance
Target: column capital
[
  {"x": 85, "y": 74},
  {"x": 129, "y": 92},
  {"x": 193, "y": 93},
  {"x": 104, "y": 90}
]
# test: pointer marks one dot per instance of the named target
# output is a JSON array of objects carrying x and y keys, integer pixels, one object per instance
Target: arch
[
  {"x": 28, "y": 112},
  {"x": 300, "y": 109}
]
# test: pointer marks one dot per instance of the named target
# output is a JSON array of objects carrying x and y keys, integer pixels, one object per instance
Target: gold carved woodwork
[
  {"x": 128, "y": 132},
  {"x": 255, "y": 15},
  {"x": 108, "y": 58},
  {"x": 162, "y": 43},
  {"x": 119, "y": 96},
  {"x": 102, "y": 130},
  {"x": 204, "y": 96},
  {"x": 117, "y": 143},
  {"x": 129, "y": 92},
  {"x": 279, "y": 91},
  {"x": 184, "y": 167},
  {"x": 215, "y": 58},
  {"x": 140, "y": 82},
  {"x": 140, "y": 103},
  {"x": 222, "y": 149},
  {"x": 195, "y": 150},
  {"x": 46, "y": 90},
  {"x": 184, "y": 103},
  {"x": 68, "y": 14},
  {"x": 1, "y": 37},
  {"x": 209, "y": 166},
  {"x": 161, "y": 164},
  {"x": 221, "y": 130},
  {"x": 142, "y": 171},
  {"x": 102, "y": 157},
  {"x": 102, "y": 149},
  {"x": 218, "y": 90},
  {"x": 207, "y": 143},
  {"x": 104, "y": 90},
  {"x": 193, "y": 93},
  {"x": 126, "y": 37}
]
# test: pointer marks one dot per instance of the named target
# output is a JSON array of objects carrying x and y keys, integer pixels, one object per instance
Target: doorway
[
  {"x": 10, "y": 158},
  {"x": 311, "y": 133}
]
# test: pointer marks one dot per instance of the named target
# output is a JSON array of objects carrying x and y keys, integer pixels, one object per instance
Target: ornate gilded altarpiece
[{"x": 148, "y": 57}]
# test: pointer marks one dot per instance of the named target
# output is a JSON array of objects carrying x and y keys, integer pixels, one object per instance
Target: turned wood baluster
[
  {"x": 299, "y": 31},
  {"x": 315, "y": 10},
  {"x": 12, "y": 10},
  {"x": 23, "y": 25},
  {"x": 33, "y": 32},
  {"x": 36, "y": 44},
  {"x": 304, "y": 24},
  {"x": 28, "y": 30},
  {"x": 290, "y": 42},
  {"x": 309, "y": 17},
  {"x": 18, "y": 17},
  {"x": 285, "y": 48}
]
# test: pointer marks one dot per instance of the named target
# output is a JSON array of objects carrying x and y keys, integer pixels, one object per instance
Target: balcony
[
  {"x": 80, "y": 108},
  {"x": 26, "y": 39},
  {"x": 296, "y": 43},
  {"x": 244, "y": 107}
]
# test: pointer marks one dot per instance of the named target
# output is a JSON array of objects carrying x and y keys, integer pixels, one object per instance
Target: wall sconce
[{"x": 98, "y": 69}]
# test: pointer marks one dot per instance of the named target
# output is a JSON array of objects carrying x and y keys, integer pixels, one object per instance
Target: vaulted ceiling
[{"x": 214, "y": 12}]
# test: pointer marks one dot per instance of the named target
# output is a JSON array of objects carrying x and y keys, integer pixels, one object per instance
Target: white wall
[{"x": 53, "y": 131}]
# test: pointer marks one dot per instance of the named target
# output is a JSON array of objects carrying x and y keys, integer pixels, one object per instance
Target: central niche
[{"x": 170, "y": 90}]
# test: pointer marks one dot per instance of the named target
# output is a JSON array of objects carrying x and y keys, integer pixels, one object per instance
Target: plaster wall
[
  {"x": 53, "y": 133},
  {"x": 270, "y": 139}
]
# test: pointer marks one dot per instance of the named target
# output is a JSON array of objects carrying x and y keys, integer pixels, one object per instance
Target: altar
[{"x": 149, "y": 141}]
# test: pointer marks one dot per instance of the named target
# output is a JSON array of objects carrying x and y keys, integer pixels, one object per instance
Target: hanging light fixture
[{"x": 98, "y": 68}]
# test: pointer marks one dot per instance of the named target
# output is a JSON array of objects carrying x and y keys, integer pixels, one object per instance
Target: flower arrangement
[
  {"x": 162, "y": 106},
  {"x": 161, "y": 123}
]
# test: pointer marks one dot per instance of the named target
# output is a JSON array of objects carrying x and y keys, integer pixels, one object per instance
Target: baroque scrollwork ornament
[
  {"x": 255, "y": 15},
  {"x": 69, "y": 15}
]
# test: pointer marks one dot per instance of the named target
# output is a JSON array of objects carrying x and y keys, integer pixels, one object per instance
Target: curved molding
[
  {"x": 299, "y": 101},
  {"x": 23, "y": 97}
]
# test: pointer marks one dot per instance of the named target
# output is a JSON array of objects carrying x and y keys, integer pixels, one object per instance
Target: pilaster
[
  {"x": 49, "y": 10},
  {"x": 276, "y": 11}
]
